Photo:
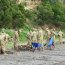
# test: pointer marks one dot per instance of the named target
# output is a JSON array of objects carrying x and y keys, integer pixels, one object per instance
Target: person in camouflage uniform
[
  {"x": 40, "y": 36},
  {"x": 60, "y": 36},
  {"x": 16, "y": 39},
  {"x": 2, "y": 43},
  {"x": 48, "y": 33}
]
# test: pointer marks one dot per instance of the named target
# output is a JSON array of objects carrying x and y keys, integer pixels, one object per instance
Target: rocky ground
[{"x": 45, "y": 57}]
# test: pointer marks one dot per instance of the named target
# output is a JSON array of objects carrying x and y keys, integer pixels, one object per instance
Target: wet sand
[{"x": 45, "y": 57}]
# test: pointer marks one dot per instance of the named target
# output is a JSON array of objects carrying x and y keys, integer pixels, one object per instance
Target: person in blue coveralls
[
  {"x": 51, "y": 41},
  {"x": 36, "y": 45}
]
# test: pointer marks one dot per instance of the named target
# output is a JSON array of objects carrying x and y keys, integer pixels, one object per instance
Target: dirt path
[{"x": 47, "y": 57}]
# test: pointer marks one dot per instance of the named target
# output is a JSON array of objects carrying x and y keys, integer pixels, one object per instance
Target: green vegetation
[
  {"x": 50, "y": 12},
  {"x": 14, "y": 16}
]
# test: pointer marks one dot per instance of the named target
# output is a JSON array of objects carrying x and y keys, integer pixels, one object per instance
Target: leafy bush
[
  {"x": 11, "y": 14},
  {"x": 50, "y": 11}
]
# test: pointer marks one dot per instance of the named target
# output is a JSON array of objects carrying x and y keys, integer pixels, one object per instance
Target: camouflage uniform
[
  {"x": 2, "y": 43},
  {"x": 48, "y": 33},
  {"x": 29, "y": 36},
  {"x": 53, "y": 34},
  {"x": 40, "y": 36},
  {"x": 60, "y": 36},
  {"x": 34, "y": 36},
  {"x": 16, "y": 39}
]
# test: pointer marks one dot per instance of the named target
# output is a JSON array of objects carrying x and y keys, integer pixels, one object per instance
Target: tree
[
  {"x": 11, "y": 14},
  {"x": 44, "y": 13},
  {"x": 50, "y": 11},
  {"x": 59, "y": 12}
]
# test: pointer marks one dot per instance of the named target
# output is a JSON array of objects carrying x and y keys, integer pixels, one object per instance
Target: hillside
[{"x": 34, "y": 12}]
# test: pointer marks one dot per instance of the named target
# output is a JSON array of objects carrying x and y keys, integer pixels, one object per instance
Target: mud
[{"x": 45, "y": 57}]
